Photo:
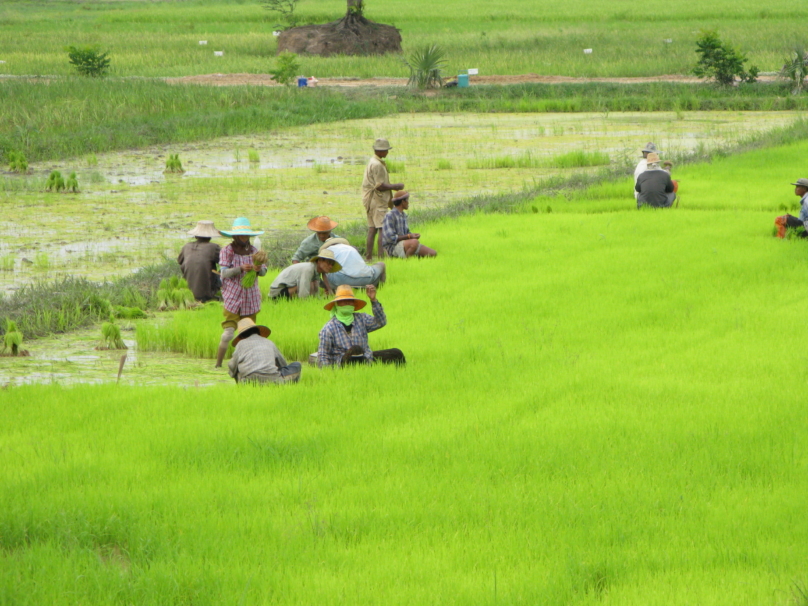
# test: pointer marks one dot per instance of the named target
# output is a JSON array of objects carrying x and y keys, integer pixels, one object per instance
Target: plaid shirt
[
  {"x": 395, "y": 224},
  {"x": 335, "y": 340},
  {"x": 237, "y": 299}
]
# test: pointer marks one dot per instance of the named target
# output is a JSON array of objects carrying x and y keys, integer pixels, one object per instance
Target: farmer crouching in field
[
  {"x": 800, "y": 189},
  {"x": 398, "y": 241},
  {"x": 297, "y": 280},
  {"x": 355, "y": 272},
  {"x": 198, "y": 261},
  {"x": 377, "y": 195},
  {"x": 240, "y": 263},
  {"x": 642, "y": 166},
  {"x": 344, "y": 338},
  {"x": 256, "y": 359},
  {"x": 654, "y": 185},
  {"x": 321, "y": 226}
]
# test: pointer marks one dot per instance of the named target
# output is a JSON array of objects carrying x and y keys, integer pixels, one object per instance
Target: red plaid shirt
[{"x": 237, "y": 299}]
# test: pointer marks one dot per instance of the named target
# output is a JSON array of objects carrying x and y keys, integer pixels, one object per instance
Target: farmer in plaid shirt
[
  {"x": 344, "y": 338},
  {"x": 235, "y": 260},
  {"x": 398, "y": 240}
]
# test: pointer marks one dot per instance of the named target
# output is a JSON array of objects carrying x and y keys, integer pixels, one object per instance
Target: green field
[{"x": 511, "y": 37}]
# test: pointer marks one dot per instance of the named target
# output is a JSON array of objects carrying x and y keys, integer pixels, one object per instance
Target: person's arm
[
  {"x": 230, "y": 272},
  {"x": 232, "y": 365},
  {"x": 384, "y": 186},
  {"x": 378, "y": 319},
  {"x": 326, "y": 345},
  {"x": 637, "y": 186},
  {"x": 300, "y": 253},
  {"x": 304, "y": 280},
  {"x": 389, "y": 233},
  {"x": 181, "y": 258},
  {"x": 669, "y": 185}
]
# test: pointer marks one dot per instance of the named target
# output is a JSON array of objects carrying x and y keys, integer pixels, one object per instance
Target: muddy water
[{"x": 130, "y": 213}]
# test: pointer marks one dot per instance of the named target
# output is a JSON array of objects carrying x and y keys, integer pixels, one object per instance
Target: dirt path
[{"x": 266, "y": 80}]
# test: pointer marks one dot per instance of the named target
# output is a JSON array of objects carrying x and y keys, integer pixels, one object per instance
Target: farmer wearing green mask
[{"x": 344, "y": 338}]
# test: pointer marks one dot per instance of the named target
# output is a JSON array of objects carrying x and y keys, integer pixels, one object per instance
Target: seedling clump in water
[
  {"x": 12, "y": 340},
  {"x": 72, "y": 184},
  {"x": 173, "y": 164},
  {"x": 174, "y": 294},
  {"x": 55, "y": 181},
  {"x": 111, "y": 336},
  {"x": 17, "y": 162}
]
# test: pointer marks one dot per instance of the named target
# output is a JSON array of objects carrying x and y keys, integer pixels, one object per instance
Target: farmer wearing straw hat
[
  {"x": 296, "y": 280},
  {"x": 256, "y": 359},
  {"x": 198, "y": 261},
  {"x": 235, "y": 260},
  {"x": 654, "y": 186},
  {"x": 801, "y": 190},
  {"x": 377, "y": 194},
  {"x": 642, "y": 166},
  {"x": 398, "y": 240},
  {"x": 321, "y": 226},
  {"x": 355, "y": 272},
  {"x": 344, "y": 338}
]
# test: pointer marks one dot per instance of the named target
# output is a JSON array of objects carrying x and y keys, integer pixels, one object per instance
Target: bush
[
  {"x": 88, "y": 61},
  {"x": 795, "y": 69},
  {"x": 721, "y": 61},
  {"x": 286, "y": 68},
  {"x": 425, "y": 67}
]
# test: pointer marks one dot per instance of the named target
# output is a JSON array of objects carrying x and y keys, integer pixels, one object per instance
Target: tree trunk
[{"x": 356, "y": 5}]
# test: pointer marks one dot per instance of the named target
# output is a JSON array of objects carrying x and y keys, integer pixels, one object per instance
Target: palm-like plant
[
  {"x": 425, "y": 66},
  {"x": 796, "y": 69}
]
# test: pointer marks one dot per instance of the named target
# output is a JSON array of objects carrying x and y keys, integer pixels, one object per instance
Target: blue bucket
[
  {"x": 302, "y": 82},
  {"x": 463, "y": 81}
]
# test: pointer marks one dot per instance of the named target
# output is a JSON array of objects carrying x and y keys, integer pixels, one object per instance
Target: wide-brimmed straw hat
[
  {"x": 321, "y": 224},
  {"x": 402, "y": 194},
  {"x": 241, "y": 227},
  {"x": 246, "y": 324},
  {"x": 382, "y": 145},
  {"x": 328, "y": 256},
  {"x": 801, "y": 183},
  {"x": 345, "y": 293},
  {"x": 204, "y": 229},
  {"x": 652, "y": 158},
  {"x": 331, "y": 241},
  {"x": 649, "y": 147}
]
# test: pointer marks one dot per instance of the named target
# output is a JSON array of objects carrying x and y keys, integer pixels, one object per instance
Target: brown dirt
[
  {"x": 351, "y": 35},
  {"x": 266, "y": 80}
]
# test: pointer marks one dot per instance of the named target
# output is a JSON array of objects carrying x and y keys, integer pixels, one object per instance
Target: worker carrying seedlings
[
  {"x": 354, "y": 272},
  {"x": 642, "y": 166},
  {"x": 377, "y": 194},
  {"x": 297, "y": 280},
  {"x": 801, "y": 190},
  {"x": 198, "y": 261},
  {"x": 240, "y": 263},
  {"x": 256, "y": 359},
  {"x": 321, "y": 226},
  {"x": 344, "y": 338},
  {"x": 398, "y": 240},
  {"x": 654, "y": 185}
]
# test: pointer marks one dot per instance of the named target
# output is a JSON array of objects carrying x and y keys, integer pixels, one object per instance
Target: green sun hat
[{"x": 241, "y": 227}]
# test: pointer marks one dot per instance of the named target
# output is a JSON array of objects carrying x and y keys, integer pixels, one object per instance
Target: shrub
[
  {"x": 795, "y": 69},
  {"x": 721, "y": 61},
  {"x": 88, "y": 61},
  {"x": 425, "y": 67},
  {"x": 55, "y": 181},
  {"x": 17, "y": 162},
  {"x": 286, "y": 68}
]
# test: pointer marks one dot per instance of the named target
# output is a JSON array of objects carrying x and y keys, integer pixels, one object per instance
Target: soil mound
[{"x": 351, "y": 35}]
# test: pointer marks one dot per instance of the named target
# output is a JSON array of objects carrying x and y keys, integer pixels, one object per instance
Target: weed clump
[
  {"x": 55, "y": 182},
  {"x": 173, "y": 164}
]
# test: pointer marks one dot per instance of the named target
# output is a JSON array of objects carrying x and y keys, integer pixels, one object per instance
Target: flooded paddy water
[{"x": 129, "y": 213}]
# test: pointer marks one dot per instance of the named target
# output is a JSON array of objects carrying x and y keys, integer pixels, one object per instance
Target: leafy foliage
[
  {"x": 721, "y": 61},
  {"x": 795, "y": 69},
  {"x": 55, "y": 181},
  {"x": 425, "y": 67},
  {"x": 88, "y": 61},
  {"x": 17, "y": 162},
  {"x": 286, "y": 68}
]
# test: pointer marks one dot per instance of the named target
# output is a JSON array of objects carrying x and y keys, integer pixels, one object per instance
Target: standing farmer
[
  {"x": 198, "y": 260},
  {"x": 377, "y": 194},
  {"x": 236, "y": 261}
]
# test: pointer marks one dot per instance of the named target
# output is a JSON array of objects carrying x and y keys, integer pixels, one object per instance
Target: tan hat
[
  {"x": 204, "y": 229},
  {"x": 246, "y": 324},
  {"x": 331, "y": 241},
  {"x": 382, "y": 145},
  {"x": 345, "y": 293},
  {"x": 801, "y": 183},
  {"x": 328, "y": 256},
  {"x": 400, "y": 195},
  {"x": 652, "y": 158},
  {"x": 321, "y": 224}
]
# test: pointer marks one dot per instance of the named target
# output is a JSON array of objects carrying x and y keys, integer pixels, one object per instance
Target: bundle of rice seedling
[
  {"x": 129, "y": 313},
  {"x": 13, "y": 339},
  {"x": 111, "y": 336},
  {"x": 258, "y": 259}
]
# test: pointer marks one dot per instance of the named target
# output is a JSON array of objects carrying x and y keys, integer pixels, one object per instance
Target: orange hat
[
  {"x": 345, "y": 293},
  {"x": 321, "y": 224}
]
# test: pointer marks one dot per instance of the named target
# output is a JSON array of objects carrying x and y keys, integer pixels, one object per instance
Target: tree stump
[{"x": 351, "y": 35}]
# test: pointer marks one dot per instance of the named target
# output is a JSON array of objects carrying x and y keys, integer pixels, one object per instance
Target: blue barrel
[
  {"x": 302, "y": 82},
  {"x": 463, "y": 81}
]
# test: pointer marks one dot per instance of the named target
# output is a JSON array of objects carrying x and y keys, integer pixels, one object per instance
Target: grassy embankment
[
  {"x": 511, "y": 37},
  {"x": 597, "y": 407}
]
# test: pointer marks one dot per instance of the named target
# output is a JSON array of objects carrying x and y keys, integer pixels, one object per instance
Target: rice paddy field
[{"x": 511, "y": 37}]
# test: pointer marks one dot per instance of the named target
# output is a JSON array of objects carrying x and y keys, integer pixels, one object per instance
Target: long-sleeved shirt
[
  {"x": 804, "y": 211},
  {"x": 353, "y": 265},
  {"x": 395, "y": 224},
  {"x": 375, "y": 174},
  {"x": 198, "y": 260},
  {"x": 309, "y": 247},
  {"x": 256, "y": 358},
  {"x": 300, "y": 275},
  {"x": 236, "y": 298},
  {"x": 335, "y": 340},
  {"x": 652, "y": 186}
]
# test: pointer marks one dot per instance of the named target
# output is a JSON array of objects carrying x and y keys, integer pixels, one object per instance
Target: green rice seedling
[
  {"x": 396, "y": 166},
  {"x": 12, "y": 340},
  {"x": 320, "y": 168},
  {"x": 55, "y": 182},
  {"x": 72, "y": 183},
  {"x": 443, "y": 165},
  {"x": 17, "y": 162},
  {"x": 254, "y": 158},
  {"x": 92, "y": 160},
  {"x": 173, "y": 164},
  {"x": 111, "y": 336},
  {"x": 42, "y": 261},
  {"x": 578, "y": 159},
  {"x": 7, "y": 263},
  {"x": 259, "y": 259},
  {"x": 128, "y": 313}
]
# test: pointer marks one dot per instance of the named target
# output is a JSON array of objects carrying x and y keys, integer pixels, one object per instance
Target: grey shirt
[
  {"x": 256, "y": 355},
  {"x": 300, "y": 275},
  {"x": 309, "y": 247},
  {"x": 653, "y": 185}
]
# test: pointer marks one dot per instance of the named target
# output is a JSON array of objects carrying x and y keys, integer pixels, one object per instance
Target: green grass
[
  {"x": 574, "y": 159},
  {"x": 162, "y": 38}
]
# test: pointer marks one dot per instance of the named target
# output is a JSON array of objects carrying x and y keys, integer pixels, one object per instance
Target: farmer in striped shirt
[
  {"x": 344, "y": 338},
  {"x": 235, "y": 260},
  {"x": 398, "y": 240}
]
